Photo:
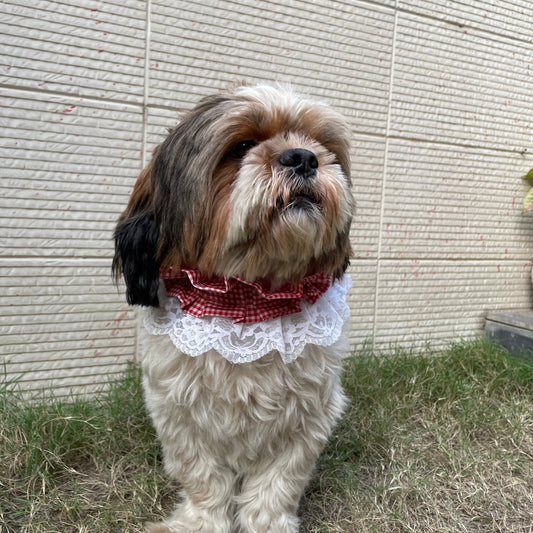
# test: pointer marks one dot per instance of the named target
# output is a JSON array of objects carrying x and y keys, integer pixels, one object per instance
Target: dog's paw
[
  {"x": 262, "y": 523},
  {"x": 160, "y": 527},
  {"x": 185, "y": 521}
]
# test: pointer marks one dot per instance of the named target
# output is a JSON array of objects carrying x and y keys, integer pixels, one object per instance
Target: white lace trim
[{"x": 319, "y": 324}]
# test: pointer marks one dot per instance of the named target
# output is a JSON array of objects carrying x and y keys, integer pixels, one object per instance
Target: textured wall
[{"x": 438, "y": 95}]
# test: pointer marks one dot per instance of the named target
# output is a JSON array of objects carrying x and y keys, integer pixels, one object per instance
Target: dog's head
[{"x": 254, "y": 182}]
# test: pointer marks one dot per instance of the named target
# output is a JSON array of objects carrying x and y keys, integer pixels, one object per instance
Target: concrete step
[{"x": 513, "y": 330}]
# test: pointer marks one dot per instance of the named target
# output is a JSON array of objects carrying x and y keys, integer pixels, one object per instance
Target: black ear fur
[{"x": 136, "y": 241}]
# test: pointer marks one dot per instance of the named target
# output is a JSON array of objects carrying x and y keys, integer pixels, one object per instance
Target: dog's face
[{"x": 252, "y": 183}]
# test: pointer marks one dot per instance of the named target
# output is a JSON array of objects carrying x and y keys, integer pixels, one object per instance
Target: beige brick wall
[{"x": 438, "y": 95}]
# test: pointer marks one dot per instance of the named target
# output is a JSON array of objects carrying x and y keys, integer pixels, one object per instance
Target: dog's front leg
[
  {"x": 207, "y": 501},
  {"x": 269, "y": 497},
  {"x": 192, "y": 455}
]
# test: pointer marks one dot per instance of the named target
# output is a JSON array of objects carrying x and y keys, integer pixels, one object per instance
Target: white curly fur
[{"x": 241, "y": 439}]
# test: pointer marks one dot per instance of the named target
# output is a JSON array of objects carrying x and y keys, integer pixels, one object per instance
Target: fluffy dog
[{"x": 236, "y": 239}]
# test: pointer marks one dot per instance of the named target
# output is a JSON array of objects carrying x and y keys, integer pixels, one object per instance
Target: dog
[{"x": 236, "y": 241}]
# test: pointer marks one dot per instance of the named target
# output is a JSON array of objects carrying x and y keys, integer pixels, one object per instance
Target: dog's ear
[
  {"x": 136, "y": 240},
  {"x": 136, "y": 244}
]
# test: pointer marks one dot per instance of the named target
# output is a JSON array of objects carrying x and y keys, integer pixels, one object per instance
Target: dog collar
[
  {"x": 319, "y": 323},
  {"x": 238, "y": 299}
]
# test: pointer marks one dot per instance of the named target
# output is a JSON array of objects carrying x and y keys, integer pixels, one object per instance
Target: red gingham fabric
[{"x": 241, "y": 300}]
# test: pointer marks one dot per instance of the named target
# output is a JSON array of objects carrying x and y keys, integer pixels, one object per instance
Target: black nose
[{"x": 303, "y": 162}]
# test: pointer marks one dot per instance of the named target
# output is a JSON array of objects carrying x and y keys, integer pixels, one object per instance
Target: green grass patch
[
  {"x": 439, "y": 442},
  {"x": 82, "y": 465}
]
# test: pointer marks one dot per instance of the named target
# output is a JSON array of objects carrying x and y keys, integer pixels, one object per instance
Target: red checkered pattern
[{"x": 241, "y": 300}]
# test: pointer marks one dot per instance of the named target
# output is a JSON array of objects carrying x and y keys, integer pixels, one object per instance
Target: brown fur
[
  {"x": 224, "y": 194},
  {"x": 190, "y": 185}
]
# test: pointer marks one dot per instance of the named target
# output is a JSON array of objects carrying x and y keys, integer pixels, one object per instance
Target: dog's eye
[{"x": 239, "y": 150}]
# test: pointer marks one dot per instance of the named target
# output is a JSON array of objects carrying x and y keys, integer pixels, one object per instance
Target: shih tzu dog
[{"x": 236, "y": 239}]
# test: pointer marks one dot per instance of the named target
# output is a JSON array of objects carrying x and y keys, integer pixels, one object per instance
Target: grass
[
  {"x": 439, "y": 443},
  {"x": 80, "y": 466},
  {"x": 431, "y": 442}
]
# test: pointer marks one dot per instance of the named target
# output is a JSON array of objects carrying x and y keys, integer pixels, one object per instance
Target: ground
[{"x": 438, "y": 441}]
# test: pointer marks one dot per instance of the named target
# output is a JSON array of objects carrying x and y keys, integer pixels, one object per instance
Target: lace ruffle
[{"x": 320, "y": 324}]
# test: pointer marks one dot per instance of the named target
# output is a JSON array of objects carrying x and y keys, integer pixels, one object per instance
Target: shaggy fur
[
  {"x": 241, "y": 439},
  {"x": 253, "y": 183}
]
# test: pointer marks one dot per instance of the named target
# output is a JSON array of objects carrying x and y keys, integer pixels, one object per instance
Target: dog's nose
[{"x": 303, "y": 162}]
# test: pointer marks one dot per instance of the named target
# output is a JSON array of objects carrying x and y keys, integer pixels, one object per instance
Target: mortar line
[
  {"x": 146, "y": 95},
  {"x": 384, "y": 180}
]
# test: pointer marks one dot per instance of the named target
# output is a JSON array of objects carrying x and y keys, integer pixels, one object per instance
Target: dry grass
[
  {"x": 434, "y": 442},
  {"x": 439, "y": 444}
]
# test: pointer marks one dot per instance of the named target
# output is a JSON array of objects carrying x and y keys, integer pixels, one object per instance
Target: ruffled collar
[
  {"x": 318, "y": 323},
  {"x": 241, "y": 300}
]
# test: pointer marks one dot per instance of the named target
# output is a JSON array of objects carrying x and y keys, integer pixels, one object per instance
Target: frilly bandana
[
  {"x": 238, "y": 299},
  {"x": 318, "y": 324}
]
